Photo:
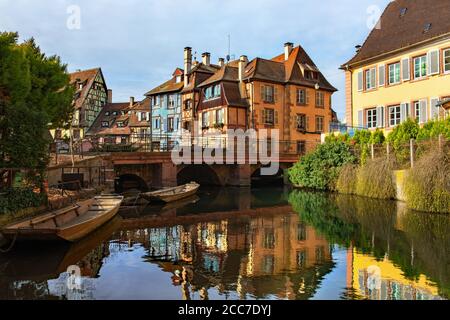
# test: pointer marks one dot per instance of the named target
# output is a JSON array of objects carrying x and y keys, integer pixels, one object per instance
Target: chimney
[
  {"x": 288, "y": 46},
  {"x": 243, "y": 60},
  {"x": 206, "y": 58},
  {"x": 131, "y": 101},
  {"x": 187, "y": 64},
  {"x": 221, "y": 62},
  {"x": 109, "y": 96}
]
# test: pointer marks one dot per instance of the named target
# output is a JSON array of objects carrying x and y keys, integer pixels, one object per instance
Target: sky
[{"x": 139, "y": 43}]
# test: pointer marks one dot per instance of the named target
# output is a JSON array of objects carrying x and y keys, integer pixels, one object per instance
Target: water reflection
[{"x": 247, "y": 244}]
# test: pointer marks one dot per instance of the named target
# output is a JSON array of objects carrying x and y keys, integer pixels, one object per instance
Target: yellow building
[{"x": 403, "y": 68}]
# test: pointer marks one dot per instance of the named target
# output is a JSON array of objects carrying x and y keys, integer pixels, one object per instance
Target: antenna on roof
[{"x": 229, "y": 49}]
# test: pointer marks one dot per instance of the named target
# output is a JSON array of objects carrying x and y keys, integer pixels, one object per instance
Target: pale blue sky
[{"x": 138, "y": 43}]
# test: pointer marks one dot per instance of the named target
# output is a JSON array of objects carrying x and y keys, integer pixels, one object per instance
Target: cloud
[{"x": 138, "y": 43}]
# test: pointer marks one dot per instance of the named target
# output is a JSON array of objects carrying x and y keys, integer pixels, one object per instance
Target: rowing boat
[
  {"x": 172, "y": 194},
  {"x": 68, "y": 224}
]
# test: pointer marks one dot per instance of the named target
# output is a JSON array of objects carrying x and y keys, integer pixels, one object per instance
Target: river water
[{"x": 269, "y": 243}]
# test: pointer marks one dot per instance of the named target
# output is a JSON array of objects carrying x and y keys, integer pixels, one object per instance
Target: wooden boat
[
  {"x": 68, "y": 224},
  {"x": 172, "y": 194}
]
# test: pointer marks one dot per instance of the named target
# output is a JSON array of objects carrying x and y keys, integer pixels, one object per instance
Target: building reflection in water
[{"x": 272, "y": 255}]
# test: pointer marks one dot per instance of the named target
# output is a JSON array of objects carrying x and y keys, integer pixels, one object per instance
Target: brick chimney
[
  {"x": 187, "y": 64},
  {"x": 221, "y": 62},
  {"x": 288, "y": 46},
  {"x": 243, "y": 60},
  {"x": 131, "y": 101},
  {"x": 206, "y": 58},
  {"x": 109, "y": 96}
]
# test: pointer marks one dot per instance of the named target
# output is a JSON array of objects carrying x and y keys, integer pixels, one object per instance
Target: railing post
[
  {"x": 411, "y": 150},
  {"x": 440, "y": 141},
  {"x": 372, "y": 150}
]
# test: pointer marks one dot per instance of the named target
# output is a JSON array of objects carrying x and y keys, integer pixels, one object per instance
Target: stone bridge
[{"x": 148, "y": 170}]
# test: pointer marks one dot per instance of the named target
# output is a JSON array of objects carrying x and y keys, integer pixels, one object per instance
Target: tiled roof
[
  {"x": 107, "y": 115},
  {"x": 166, "y": 87},
  {"x": 401, "y": 31},
  {"x": 86, "y": 77},
  {"x": 289, "y": 71},
  {"x": 226, "y": 73},
  {"x": 200, "y": 67}
]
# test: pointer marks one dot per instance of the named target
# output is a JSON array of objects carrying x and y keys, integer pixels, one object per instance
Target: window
[
  {"x": 156, "y": 101},
  {"x": 172, "y": 101},
  {"x": 76, "y": 134},
  {"x": 105, "y": 124},
  {"x": 394, "y": 73},
  {"x": 420, "y": 67},
  {"x": 371, "y": 78},
  {"x": 403, "y": 11},
  {"x": 269, "y": 238},
  {"x": 187, "y": 104},
  {"x": 120, "y": 124},
  {"x": 107, "y": 113},
  {"x": 301, "y": 96},
  {"x": 447, "y": 61},
  {"x": 178, "y": 79},
  {"x": 394, "y": 115},
  {"x": 320, "y": 101},
  {"x": 212, "y": 92},
  {"x": 319, "y": 123},
  {"x": 205, "y": 119},
  {"x": 170, "y": 124},
  {"x": 371, "y": 118},
  {"x": 301, "y": 147},
  {"x": 269, "y": 117},
  {"x": 143, "y": 116},
  {"x": 115, "y": 113},
  {"x": 301, "y": 259},
  {"x": 301, "y": 122},
  {"x": 58, "y": 134},
  {"x": 417, "y": 110},
  {"x": 268, "y": 93},
  {"x": 157, "y": 123},
  {"x": 301, "y": 232},
  {"x": 219, "y": 116},
  {"x": 427, "y": 27}
]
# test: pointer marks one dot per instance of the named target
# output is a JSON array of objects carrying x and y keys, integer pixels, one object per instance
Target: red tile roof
[
  {"x": 398, "y": 32},
  {"x": 107, "y": 114},
  {"x": 167, "y": 87}
]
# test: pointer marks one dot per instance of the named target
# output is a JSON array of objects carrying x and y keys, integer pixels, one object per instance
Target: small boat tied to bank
[
  {"x": 172, "y": 194},
  {"x": 68, "y": 224}
]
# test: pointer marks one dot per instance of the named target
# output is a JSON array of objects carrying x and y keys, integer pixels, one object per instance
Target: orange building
[{"x": 287, "y": 93}]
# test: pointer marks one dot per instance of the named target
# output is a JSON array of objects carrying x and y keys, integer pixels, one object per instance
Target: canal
[{"x": 267, "y": 243}]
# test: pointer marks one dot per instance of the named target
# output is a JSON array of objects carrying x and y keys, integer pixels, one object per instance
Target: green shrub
[
  {"x": 377, "y": 137},
  {"x": 320, "y": 169},
  {"x": 403, "y": 133},
  {"x": 15, "y": 199},
  {"x": 375, "y": 180},
  {"x": 427, "y": 185},
  {"x": 433, "y": 129},
  {"x": 346, "y": 182}
]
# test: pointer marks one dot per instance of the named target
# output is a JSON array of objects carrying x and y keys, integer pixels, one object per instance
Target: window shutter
[
  {"x": 263, "y": 93},
  {"x": 381, "y": 75},
  {"x": 307, "y": 96},
  {"x": 406, "y": 72},
  {"x": 361, "y": 118},
  {"x": 360, "y": 81},
  {"x": 275, "y": 94},
  {"x": 307, "y": 123},
  {"x": 433, "y": 62},
  {"x": 403, "y": 116},
  {"x": 373, "y": 77},
  {"x": 434, "y": 108},
  {"x": 263, "y": 116},
  {"x": 275, "y": 117},
  {"x": 298, "y": 96},
  {"x": 423, "y": 111},
  {"x": 380, "y": 117}
]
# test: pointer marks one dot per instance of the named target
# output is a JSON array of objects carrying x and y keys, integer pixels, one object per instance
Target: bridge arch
[
  {"x": 126, "y": 182},
  {"x": 203, "y": 174},
  {"x": 261, "y": 180}
]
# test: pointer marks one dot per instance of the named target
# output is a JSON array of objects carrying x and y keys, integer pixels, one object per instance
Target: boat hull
[{"x": 167, "y": 198}]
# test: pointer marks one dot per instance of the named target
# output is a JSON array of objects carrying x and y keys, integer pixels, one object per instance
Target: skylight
[{"x": 427, "y": 27}]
